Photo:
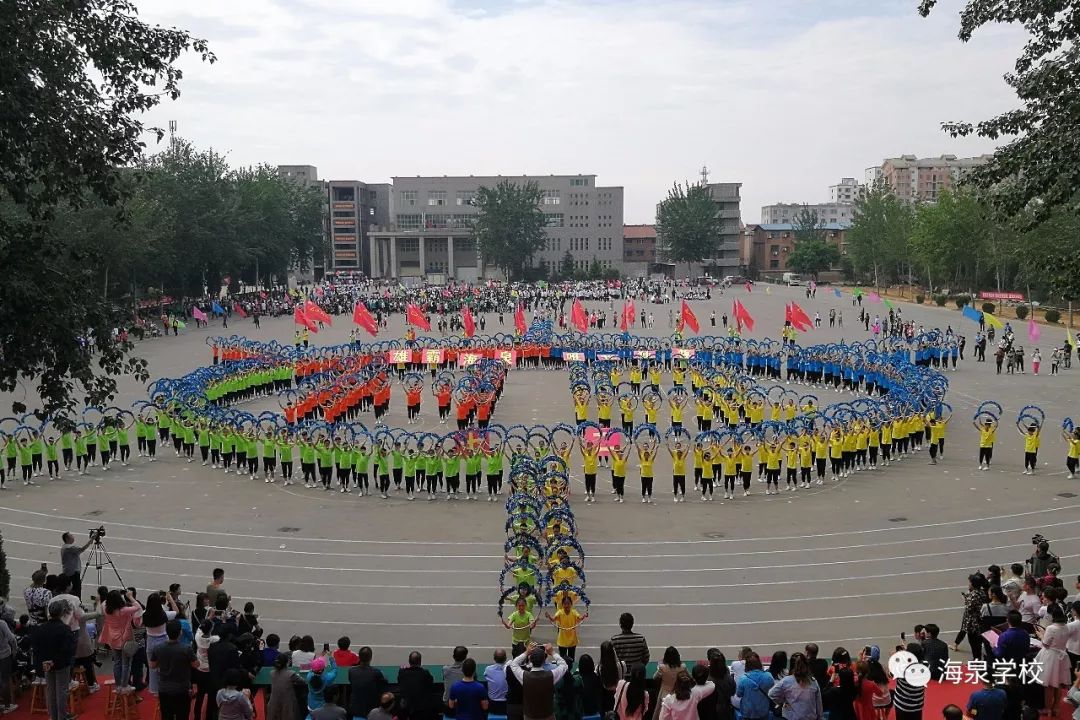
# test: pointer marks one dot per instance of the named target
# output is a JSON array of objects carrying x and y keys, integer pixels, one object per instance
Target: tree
[
  {"x": 1039, "y": 169},
  {"x": 812, "y": 256},
  {"x": 76, "y": 78},
  {"x": 566, "y": 266},
  {"x": 877, "y": 240},
  {"x": 596, "y": 271},
  {"x": 688, "y": 224},
  {"x": 509, "y": 227},
  {"x": 808, "y": 226},
  {"x": 1049, "y": 255}
]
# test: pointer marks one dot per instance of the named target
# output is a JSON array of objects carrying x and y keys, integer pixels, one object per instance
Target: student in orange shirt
[{"x": 412, "y": 401}]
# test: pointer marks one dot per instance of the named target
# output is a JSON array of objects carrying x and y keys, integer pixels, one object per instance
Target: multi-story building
[
  {"x": 831, "y": 212},
  {"x": 846, "y": 192},
  {"x": 922, "y": 179},
  {"x": 728, "y": 198},
  {"x": 355, "y": 208},
  {"x": 430, "y": 231},
  {"x": 871, "y": 175},
  {"x": 771, "y": 245},
  {"x": 639, "y": 249},
  {"x": 303, "y": 174}
]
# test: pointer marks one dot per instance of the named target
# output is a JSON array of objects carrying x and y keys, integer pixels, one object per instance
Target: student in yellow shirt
[
  {"x": 590, "y": 460},
  {"x": 729, "y": 460},
  {"x": 806, "y": 459},
  {"x": 567, "y": 620},
  {"x": 873, "y": 442},
  {"x": 836, "y": 453},
  {"x": 987, "y": 434},
  {"x": 618, "y": 471},
  {"x": 678, "y": 470},
  {"x": 936, "y": 440},
  {"x": 887, "y": 443},
  {"x": 746, "y": 468},
  {"x": 821, "y": 453},
  {"x": 772, "y": 467},
  {"x": 1031, "y": 448},
  {"x": 1072, "y": 458},
  {"x": 676, "y": 413},
  {"x": 646, "y": 456},
  {"x": 626, "y": 408},
  {"x": 791, "y": 463},
  {"x": 708, "y": 473}
]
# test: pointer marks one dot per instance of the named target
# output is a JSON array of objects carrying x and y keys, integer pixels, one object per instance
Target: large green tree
[
  {"x": 509, "y": 226},
  {"x": 1038, "y": 169},
  {"x": 808, "y": 226},
  {"x": 811, "y": 257},
  {"x": 76, "y": 78},
  {"x": 688, "y": 224},
  {"x": 1049, "y": 256},
  {"x": 878, "y": 239}
]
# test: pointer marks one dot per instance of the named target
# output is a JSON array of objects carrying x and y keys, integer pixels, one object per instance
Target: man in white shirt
[{"x": 495, "y": 676}]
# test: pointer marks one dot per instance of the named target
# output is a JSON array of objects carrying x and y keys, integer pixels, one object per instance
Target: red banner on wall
[{"x": 1001, "y": 296}]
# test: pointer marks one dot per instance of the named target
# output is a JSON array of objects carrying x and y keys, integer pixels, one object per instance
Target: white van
[{"x": 792, "y": 279}]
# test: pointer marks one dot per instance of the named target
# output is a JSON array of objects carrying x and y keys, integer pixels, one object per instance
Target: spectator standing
[
  {"x": 53, "y": 647},
  {"x": 910, "y": 698},
  {"x": 451, "y": 674},
  {"x": 71, "y": 562},
  {"x": 592, "y": 689},
  {"x": 495, "y": 677},
  {"x": 631, "y": 698},
  {"x": 366, "y": 685},
  {"x": 752, "y": 690},
  {"x": 9, "y": 645},
  {"x": 224, "y": 662},
  {"x": 155, "y": 618},
  {"x": 320, "y": 678},
  {"x": 568, "y": 697},
  {"x": 935, "y": 651},
  {"x": 724, "y": 682},
  {"x": 303, "y": 656},
  {"x": 284, "y": 682},
  {"x": 384, "y": 711},
  {"x": 630, "y": 647},
  {"x": 467, "y": 697},
  {"x": 232, "y": 703},
  {"x": 987, "y": 703},
  {"x": 682, "y": 703},
  {"x": 798, "y": 694},
  {"x": 330, "y": 709},
  {"x": 417, "y": 689},
  {"x": 204, "y": 637},
  {"x": 538, "y": 671},
  {"x": 819, "y": 668},
  {"x": 38, "y": 597},
  {"x": 122, "y": 615},
  {"x": 665, "y": 675},
  {"x": 217, "y": 585},
  {"x": 171, "y": 663}
]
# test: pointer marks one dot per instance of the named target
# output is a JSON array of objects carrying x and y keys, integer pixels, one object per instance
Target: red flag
[
  {"x": 742, "y": 317},
  {"x": 239, "y": 310},
  {"x": 519, "y": 319},
  {"x": 628, "y": 313},
  {"x": 263, "y": 295},
  {"x": 316, "y": 313},
  {"x": 787, "y": 313},
  {"x": 301, "y": 318},
  {"x": 689, "y": 318},
  {"x": 362, "y": 317},
  {"x": 578, "y": 317},
  {"x": 799, "y": 316},
  {"x": 415, "y": 316},
  {"x": 467, "y": 319}
]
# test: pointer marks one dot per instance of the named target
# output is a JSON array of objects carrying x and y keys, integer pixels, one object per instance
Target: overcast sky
[{"x": 785, "y": 96}]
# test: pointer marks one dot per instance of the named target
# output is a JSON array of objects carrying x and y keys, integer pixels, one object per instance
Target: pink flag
[
  {"x": 1034, "y": 333},
  {"x": 198, "y": 314},
  {"x": 874, "y": 297}
]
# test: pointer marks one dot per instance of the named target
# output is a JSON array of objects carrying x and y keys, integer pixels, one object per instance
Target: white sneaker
[
  {"x": 410, "y": 497},
  {"x": 643, "y": 500}
]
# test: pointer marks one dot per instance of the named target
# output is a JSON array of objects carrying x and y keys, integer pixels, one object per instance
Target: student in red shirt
[
  {"x": 343, "y": 656},
  {"x": 412, "y": 400},
  {"x": 444, "y": 403}
]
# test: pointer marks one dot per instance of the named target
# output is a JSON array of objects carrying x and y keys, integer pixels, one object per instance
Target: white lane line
[
  {"x": 713, "y": 554},
  {"x": 710, "y": 541},
  {"x": 591, "y": 570},
  {"x": 490, "y": 588}
]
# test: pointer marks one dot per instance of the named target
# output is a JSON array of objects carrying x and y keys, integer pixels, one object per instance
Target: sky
[{"x": 784, "y": 96}]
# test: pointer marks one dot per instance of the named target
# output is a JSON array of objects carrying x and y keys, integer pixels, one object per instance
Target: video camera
[
  {"x": 97, "y": 533},
  {"x": 1037, "y": 538}
]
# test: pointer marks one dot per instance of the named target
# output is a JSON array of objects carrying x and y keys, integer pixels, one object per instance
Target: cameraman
[
  {"x": 1040, "y": 561},
  {"x": 70, "y": 561}
]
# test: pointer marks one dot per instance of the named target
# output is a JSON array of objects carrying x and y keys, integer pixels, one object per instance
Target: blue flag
[
  {"x": 217, "y": 309},
  {"x": 836, "y": 291},
  {"x": 972, "y": 314}
]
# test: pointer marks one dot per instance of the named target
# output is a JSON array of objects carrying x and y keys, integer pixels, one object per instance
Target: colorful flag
[
  {"x": 301, "y": 318},
  {"x": 857, "y": 292},
  {"x": 415, "y": 316},
  {"x": 1069, "y": 339},
  {"x": 768, "y": 289},
  {"x": 239, "y": 310},
  {"x": 578, "y": 317},
  {"x": 993, "y": 321},
  {"x": 1034, "y": 333},
  {"x": 689, "y": 318},
  {"x": 198, "y": 314},
  {"x": 362, "y": 317},
  {"x": 519, "y": 319},
  {"x": 874, "y": 297},
  {"x": 971, "y": 314},
  {"x": 837, "y": 293},
  {"x": 799, "y": 317},
  {"x": 216, "y": 309},
  {"x": 628, "y": 313},
  {"x": 742, "y": 317},
  {"x": 468, "y": 322},
  {"x": 813, "y": 285},
  {"x": 888, "y": 304},
  {"x": 316, "y": 313}
]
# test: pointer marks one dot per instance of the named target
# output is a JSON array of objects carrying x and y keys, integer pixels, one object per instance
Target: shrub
[
  {"x": 961, "y": 301},
  {"x": 940, "y": 300},
  {"x": 1021, "y": 311},
  {"x": 1052, "y": 315},
  {"x": 920, "y": 299},
  {"x": 988, "y": 307}
]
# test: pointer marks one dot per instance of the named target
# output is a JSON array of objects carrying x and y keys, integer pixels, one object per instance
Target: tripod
[{"x": 99, "y": 557}]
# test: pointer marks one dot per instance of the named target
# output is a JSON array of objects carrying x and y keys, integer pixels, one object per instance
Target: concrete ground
[{"x": 848, "y": 563}]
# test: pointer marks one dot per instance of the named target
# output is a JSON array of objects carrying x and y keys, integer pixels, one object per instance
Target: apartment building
[{"x": 923, "y": 179}]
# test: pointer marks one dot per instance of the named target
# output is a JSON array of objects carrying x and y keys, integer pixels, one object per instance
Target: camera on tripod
[{"x": 97, "y": 533}]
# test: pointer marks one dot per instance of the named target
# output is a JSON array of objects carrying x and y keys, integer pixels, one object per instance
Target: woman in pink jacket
[{"x": 122, "y": 614}]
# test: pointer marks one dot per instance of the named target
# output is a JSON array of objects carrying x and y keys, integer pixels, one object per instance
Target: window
[
  {"x": 554, "y": 219},
  {"x": 409, "y": 245},
  {"x": 344, "y": 194},
  {"x": 465, "y": 197},
  {"x": 774, "y": 264},
  {"x": 549, "y": 197},
  {"x": 343, "y": 213},
  {"x": 408, "y": 222},
  {"x": 579, "y": 182},
  {"x": 436, "y": 197},
  {"x": 408, "y": 197},
  {"x": 461, "y": 220}
]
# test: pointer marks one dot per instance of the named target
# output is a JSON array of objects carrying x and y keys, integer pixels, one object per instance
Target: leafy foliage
[
  {"x": 509, "y": 227},
  {"x": 76, "y": 77},
  {"x": 877, "y": 240},
  {"x": 1052, "y": 315},
  {"x": 813, "y": 256},
  {"x": 1021, "y": 311},
  {"x": 1039, "y": 169},
  {"x": 688, "y": 224},
  {"x": 808, "y": 226}
]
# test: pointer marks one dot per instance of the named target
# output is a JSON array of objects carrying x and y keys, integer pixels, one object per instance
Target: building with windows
[
  {"x": 914, "y": 179},
  {"x": 771, "y": 245},
  {"x": 355, "y": 208},
  {"x": 830, "y": 212},
  {"x": 846, "y": 192},
  {"x": 639, "y": 249},
  {"x": 429, "y": 232},
  {"x": 728, "y": 199}
]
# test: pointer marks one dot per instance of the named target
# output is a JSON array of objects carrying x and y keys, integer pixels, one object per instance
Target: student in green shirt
[
  {"x": 52, "y": 457},
  {"x": 307, "y": 461},
  {"x": 285, "y": 452},
  {"x": 252, "y": 447},
  {"x": 189, "y": 439},
  {"x": 140, "y": 435},
  {"x": 124, "y": 442},
  {"x": 325, "y": 454},
  {"x": 343, "y": 464},
  {"x": 399, "y": 466},
  {"x": 494, "y": 469},
  {"x": 91, "y": 446},
  {"x": 269, "y": 458},
  {"x": 102, "y": 440},
  {"x": 228, "y": 448},
  {"x": 472, "y": 474},
  {"x": 433, "y": 475},
  {"x": 203, "y": 438},
  {"x": 82, "y": 458},
  {"x": 67, "y": 449},
  {"x": 26, "y": 461},
  {"x": 382, "y": 467},
  {"x": 452, "y": 470},
  {"x": 152, "y": 433},
  {"x": 11, "y": 455},
  {"x": 520, "y": 624},
  {"x": 361, "y": 461},
  {"x": 215, "y": 446},
  {"x": 409, "y": 470},
  {"x": 37, "y": 452}
]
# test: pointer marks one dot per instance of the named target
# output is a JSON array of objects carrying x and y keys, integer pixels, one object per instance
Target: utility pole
[
  {"x": 704, "y": 174},
  {"x": 172, "y": 134}
]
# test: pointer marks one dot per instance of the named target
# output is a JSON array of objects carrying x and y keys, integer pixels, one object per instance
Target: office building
[
  {"x": 639, "y": 249},
  {"x": 771, "y": 244},
  {"x": 923, "y": 179},
  {"x": 430, "y": 232},
  {"x": 846, "y": 192},
  {"x": 355, "y": 209},
  {"x": 830, "y": 212}
]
